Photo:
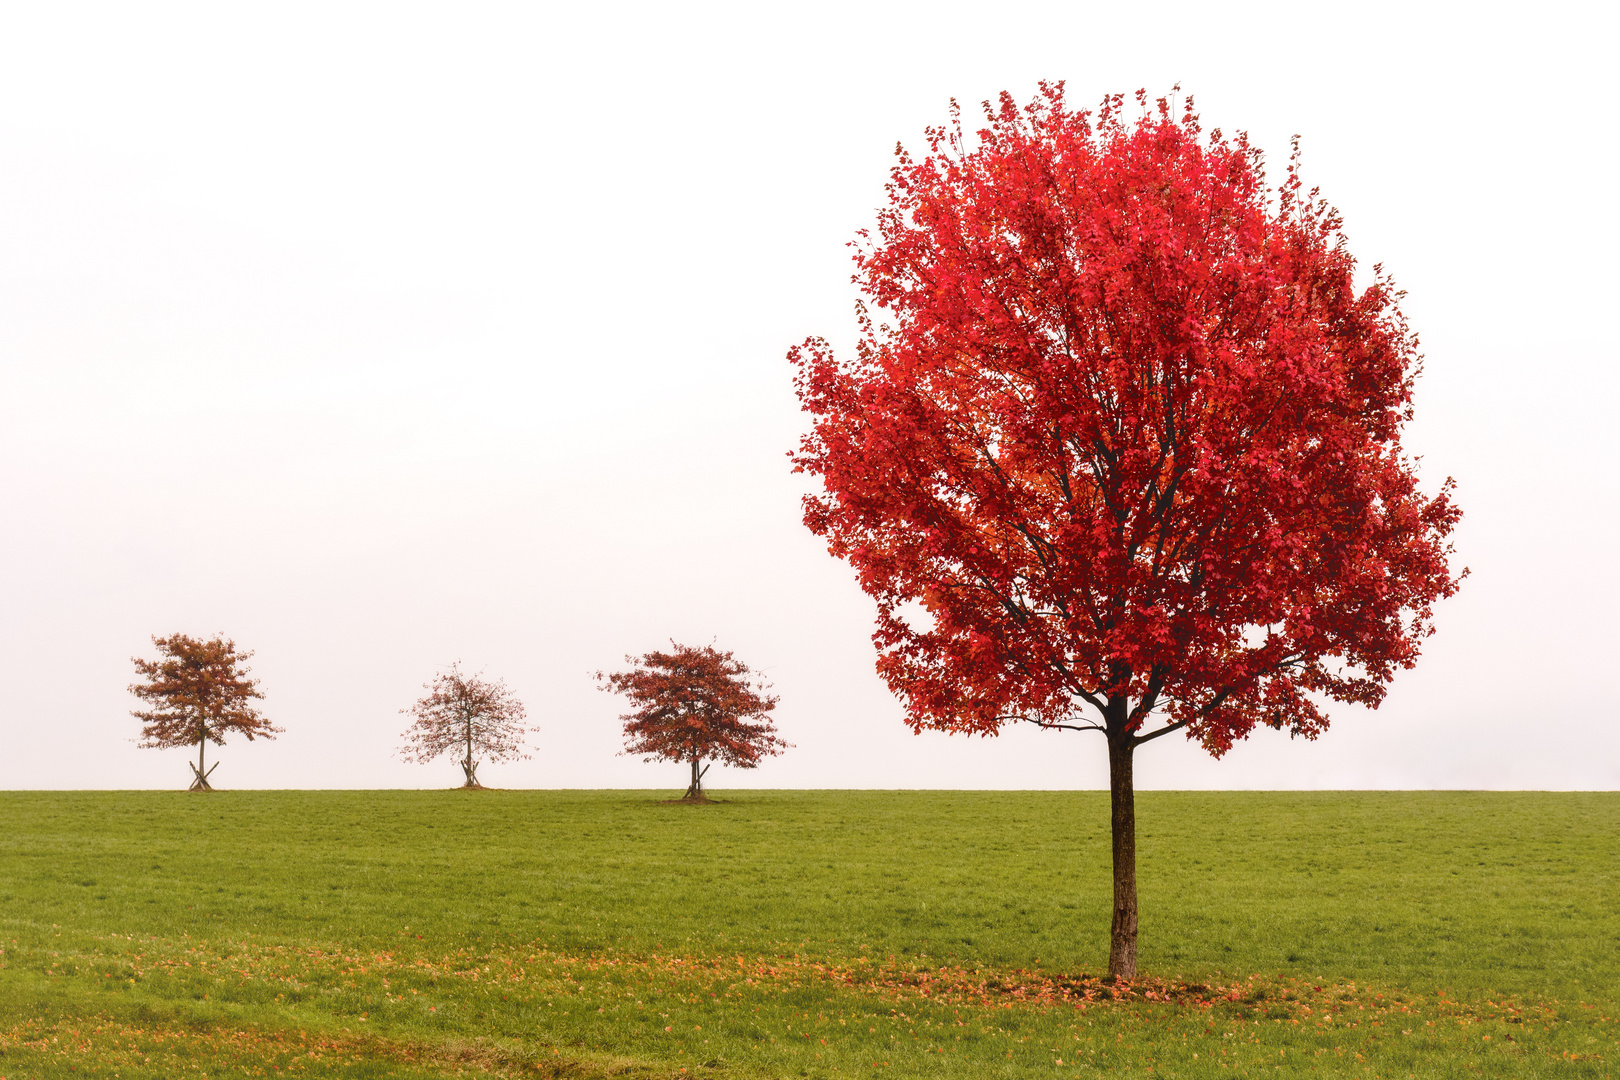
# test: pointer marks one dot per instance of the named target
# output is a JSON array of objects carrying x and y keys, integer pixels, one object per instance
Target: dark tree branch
[
  {"x": 1167, "y": 729},
  {"x": 1053, "y": 725}
]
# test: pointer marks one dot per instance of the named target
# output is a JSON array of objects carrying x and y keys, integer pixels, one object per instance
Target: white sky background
[{"x": 382, "y": 336}]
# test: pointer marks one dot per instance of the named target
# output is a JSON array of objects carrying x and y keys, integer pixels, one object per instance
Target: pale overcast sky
[{"x": 382, "y": 336}]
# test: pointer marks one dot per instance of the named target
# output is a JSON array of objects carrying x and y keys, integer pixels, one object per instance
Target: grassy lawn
[{"x": 786, "y": 934}]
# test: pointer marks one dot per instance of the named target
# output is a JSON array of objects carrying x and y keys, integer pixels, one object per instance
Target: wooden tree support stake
[{"x": 200, "y": 783}]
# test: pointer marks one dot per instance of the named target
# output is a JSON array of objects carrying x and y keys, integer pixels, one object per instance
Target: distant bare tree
[{"x": 468, "y": 714}]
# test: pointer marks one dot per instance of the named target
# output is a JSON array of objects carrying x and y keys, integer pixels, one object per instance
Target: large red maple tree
[{"x": 1119, "y": 449}]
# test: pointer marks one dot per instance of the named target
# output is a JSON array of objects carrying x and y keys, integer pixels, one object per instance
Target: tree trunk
[
  {"x": 199, "y": 780},
  {"x": 1122, "y": 798},
  {"x": 468, "y": 765},
  {"x": 695, "y": 791}
]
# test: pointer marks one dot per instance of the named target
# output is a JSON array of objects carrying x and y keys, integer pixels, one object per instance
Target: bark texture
[{"x": 1122, "y": 799}]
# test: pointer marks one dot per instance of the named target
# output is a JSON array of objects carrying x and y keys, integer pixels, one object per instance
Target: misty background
[{"x": 382, "y": 336}]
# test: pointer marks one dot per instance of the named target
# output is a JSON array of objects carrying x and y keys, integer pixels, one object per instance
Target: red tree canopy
[
  {"x": 473, "y": 716},
  {"x": 1127, "y": 436},
  {"x": 197, "y": 690},
  {"x": 696, "y": 705}
]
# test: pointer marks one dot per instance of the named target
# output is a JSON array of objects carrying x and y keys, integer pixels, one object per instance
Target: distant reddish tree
[
  {"x": 696, "y": 705},
  {"x": 1123, "y": 453},
  {"x": 467, "y": 714},
  {"x": 198, "y": 692}
]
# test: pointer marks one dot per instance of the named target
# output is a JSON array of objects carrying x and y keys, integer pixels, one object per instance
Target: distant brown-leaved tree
[
  {"x": 696, "y": 704},
  {"x": 469, "y": 714},
  {"x": 198, "y": 692}
]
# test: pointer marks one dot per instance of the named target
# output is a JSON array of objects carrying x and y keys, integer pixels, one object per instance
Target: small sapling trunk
[{"x": 694, "y": 791}]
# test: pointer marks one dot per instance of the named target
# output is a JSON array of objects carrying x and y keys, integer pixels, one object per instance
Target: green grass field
[{"x": 788, "y": 934}]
